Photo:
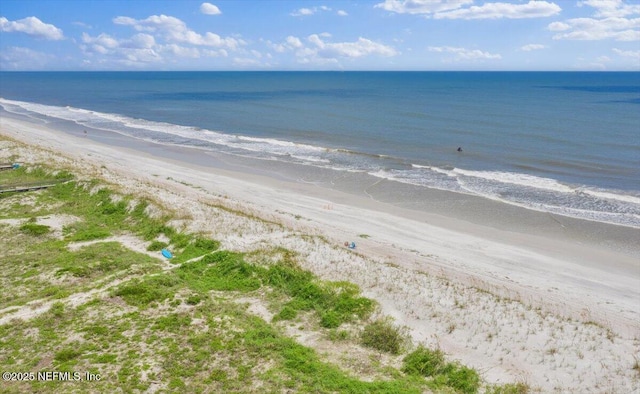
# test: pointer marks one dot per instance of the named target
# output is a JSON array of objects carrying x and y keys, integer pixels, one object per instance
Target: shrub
[
  {"x": 287, "y": 313},
  {"x": 197, "y": 248},
  {"x": 463, "y": 379},
  {"x": 220, "y": 271},
  {"x": 431, "y": 363},
  {"x": 34, "y": 229},
  {"x": 89, "y": 234},
  {"x": 180, "y": 240},
  {"x": 208, "y": 245},
  {"x": 156, "y": 246},
  {"x": 57, "y": 309},
  {"x": 383, "y": 335},
  {"x": 141, "y": 293},
  {"x": 330, "y": 319},
  {"x": 110, "y": 208},
  {"x": 194, "y": 299},
  {"x": 172, "y": 323},
  {"x": 424, "y": 362},
  {"x": 334, "y": 302},
  {"x": 509, "y": 388},
  {"x": 66, "y": 354},
  {"x": 106, "y": 358}
]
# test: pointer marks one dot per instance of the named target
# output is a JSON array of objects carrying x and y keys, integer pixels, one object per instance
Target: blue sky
[{"x": 320, "y": 35}]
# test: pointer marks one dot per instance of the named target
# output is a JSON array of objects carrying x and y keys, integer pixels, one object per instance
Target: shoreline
[
  {"x": 547, "y": 238},
  {"x": 541, "y": 260}
]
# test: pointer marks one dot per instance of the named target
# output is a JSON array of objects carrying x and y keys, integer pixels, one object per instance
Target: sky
[{"x": 518, "y": 35}]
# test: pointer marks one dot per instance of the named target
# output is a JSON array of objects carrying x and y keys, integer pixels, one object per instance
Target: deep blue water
[{"x": 555, "y": 141}]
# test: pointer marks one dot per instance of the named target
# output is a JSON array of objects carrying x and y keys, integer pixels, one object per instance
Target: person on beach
[{"x": 459, "y": 149}]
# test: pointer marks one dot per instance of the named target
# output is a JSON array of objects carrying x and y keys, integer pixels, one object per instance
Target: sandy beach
[{"x": 519, "y": 295}]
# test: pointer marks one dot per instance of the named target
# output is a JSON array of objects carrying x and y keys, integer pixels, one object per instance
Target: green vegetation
[
  {"x": 381, "y": 334},
  {"x": 431, "y": 363},
  {"x": 509, "y": 388},
  {"x": 34, "y": 229},
  {"x": 152, "y": 289},
  {"x": 181, "y": 327},
  {"x": 156, "y": 246}
]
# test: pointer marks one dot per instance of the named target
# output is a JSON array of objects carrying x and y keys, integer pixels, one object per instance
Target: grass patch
[
  {"x": 222, "y": 271},
  {"x": 35, "y": 229},
  {"x": 173, "y": 322},
  {"x": 381, "y": 334},
  {"x": 509, "y": 388},
  {"x": 196, "y": 248},
  {"x": 286, "y": 313},
  {"x": 431, "y": 363},
  {"x": 334, "y": 302},
  {"x": 152, "y": 289},
  {"x": 67, "y": 354},
  {"x": 157, "y": 246}
]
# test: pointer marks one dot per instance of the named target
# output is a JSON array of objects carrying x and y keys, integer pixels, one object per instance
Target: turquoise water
[{"x": 567, "y": 143}]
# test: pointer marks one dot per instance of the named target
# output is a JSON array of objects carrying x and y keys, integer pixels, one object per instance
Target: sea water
[{"x": 561, "y": 142}]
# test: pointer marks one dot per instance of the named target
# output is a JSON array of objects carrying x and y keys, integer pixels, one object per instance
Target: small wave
[
  {"x": 517, "y": 179},
  {"x": 528, "y": 191},
  {"x": 311, "y": 159},
  {"x": 513, "y": 178},
  {"x": 149, "y": 130},
  {"x": 611, "y": 196}
]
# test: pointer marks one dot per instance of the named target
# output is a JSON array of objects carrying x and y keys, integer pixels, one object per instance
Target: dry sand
[{"x": 557, "y": 313}]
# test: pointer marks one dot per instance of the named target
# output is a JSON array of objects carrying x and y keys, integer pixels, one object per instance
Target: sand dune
[{"x": 557, "y": 312}]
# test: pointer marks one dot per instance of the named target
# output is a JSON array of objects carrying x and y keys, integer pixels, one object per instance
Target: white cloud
[
  {"x": 309, "y": 11},
  {"x": 33, "y": 27},
  {"x": 461, "y": 54},
  {"x": 142, "y": 40},
  {"x": 136, "y": 51},
  {"x": 291, "y": 43},
  {"x": 19, "y": 58},
  {"x": 421, "y": 6},
  {"x": 532, "y": 9},
  {"x": 215, "y": 53},
  {"x": 82, "y": 24},
  {"x": 317, "y": 49},
  {"x": 101, "y": 44},
  {"x": 463, "y": 9},
  {"x": 620, "y": 29},
  {"x": 303, "y": 12},
  {"x": 532, "y": 47},
  {"x": 173, "y": 30},
  {"x": 359, "y": 48},
  {"x": 609, "y": 8},
  {"x": 294, "y": 42},
  {"x": 632, "y": 54},
  {"x": 558, "y": 26},
  {"x": 609, "y": 22},
  {"x": 342, "y": 13},
  {"x": 180, "y": 51},
  {"x": 209, "y": 9}
]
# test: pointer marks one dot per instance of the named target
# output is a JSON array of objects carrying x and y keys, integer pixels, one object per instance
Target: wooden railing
[{"x": 23, "y": 187}]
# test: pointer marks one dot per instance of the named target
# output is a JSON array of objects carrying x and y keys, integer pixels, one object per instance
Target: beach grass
[{"x": 76, "y": 297}]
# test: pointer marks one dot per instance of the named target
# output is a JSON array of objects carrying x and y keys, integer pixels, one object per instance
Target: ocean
[{"x": 559, "y": 142}]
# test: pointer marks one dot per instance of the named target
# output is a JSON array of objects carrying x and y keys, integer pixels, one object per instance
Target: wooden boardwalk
[{"x": 25, "y": 187}]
